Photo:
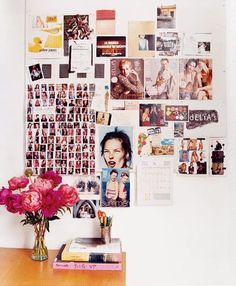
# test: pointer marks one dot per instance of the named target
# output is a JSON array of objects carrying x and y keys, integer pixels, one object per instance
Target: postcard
[
  {"x": 152, "y": 115},
  {"x": 166, "y": 17},
  {"x": 197, "y": 44},
  {"x": 178, "y": 129},
  {"x": 168, "y": 44},
  {"x": 151, "y": 143},
  {"x": 176, "y": 112},
  {"x": 111, "y": 46}
]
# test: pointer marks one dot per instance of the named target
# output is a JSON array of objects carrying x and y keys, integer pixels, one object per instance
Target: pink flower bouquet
[{"x": 40, "y": 199}]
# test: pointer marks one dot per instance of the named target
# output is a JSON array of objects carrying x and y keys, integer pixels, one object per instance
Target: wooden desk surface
[{"x": 18, "y": 269}]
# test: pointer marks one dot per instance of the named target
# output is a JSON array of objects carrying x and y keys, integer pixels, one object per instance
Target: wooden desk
[{"x": 18, "y": 269}]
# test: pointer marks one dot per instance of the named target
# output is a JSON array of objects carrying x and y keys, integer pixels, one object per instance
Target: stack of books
[{"x": 89, "y": 254}]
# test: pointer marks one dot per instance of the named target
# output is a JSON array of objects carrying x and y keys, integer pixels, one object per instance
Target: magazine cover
[
  {"x": 127, "y": 78},
  {"x": 115, "y": 187},
  {"x": 161, "y": 78}
]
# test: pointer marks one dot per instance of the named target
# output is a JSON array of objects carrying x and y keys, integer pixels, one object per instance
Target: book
[
  {"x": 92, "y": 250},
  {"x": 77, "y": 265}
]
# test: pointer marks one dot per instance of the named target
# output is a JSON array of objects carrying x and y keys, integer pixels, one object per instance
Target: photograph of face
[{"x": 116, "y": 146}]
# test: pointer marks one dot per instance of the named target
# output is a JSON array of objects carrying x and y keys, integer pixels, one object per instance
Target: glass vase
[{"x": 40, "y": 251}]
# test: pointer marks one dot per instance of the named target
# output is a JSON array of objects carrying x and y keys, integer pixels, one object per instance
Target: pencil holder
[{"x": 106, "y": 234}]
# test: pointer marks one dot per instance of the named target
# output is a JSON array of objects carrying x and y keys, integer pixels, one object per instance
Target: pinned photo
[
  {"x": 111, "y": 46},
  {"x": 150, "y": 143},
  {"x": 127, "y": 79},
  {"x": 166, "y": 17},
  {"x": 152, "y": 115},
  {"x": 116, "y": 146},
  {"x": 86, "y": 209},
  {"x": 218, "y": 156},
  {"x": 161, "y": 78},
  {"x": 115, "y": 188},
  {"x": 176, "y": 112},
  {"x": 168, "y": 44},
  {"x": 192, "y": 159},
  {"x": 195, "y": 79},
  {"x": 35, "y": 72},
  {"x": 103, "y": 118}
]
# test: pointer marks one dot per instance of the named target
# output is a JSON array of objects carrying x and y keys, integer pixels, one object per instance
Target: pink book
[{"x": 75, "y": 265}]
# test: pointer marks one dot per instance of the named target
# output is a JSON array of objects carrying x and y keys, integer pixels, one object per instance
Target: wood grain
[{"x": 18, "y": 269}]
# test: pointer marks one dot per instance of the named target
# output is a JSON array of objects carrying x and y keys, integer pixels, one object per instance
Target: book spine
[
  {"x": 92, "y": 258},
  {"x": 87, "y": 266}
]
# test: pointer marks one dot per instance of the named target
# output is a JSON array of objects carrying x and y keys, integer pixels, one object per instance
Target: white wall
[{"x": 192, "y": 242}]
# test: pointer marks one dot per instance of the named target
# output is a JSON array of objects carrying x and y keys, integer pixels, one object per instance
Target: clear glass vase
[{"x": 40, "y": 251}]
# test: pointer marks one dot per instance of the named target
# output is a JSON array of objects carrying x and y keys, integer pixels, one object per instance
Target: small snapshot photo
[
  {"x": 178, "y": 129},
  {"x": 197, "y": 44},
  {"x": 168, "y": 44},
  {"x": 115, "y": 187},
  {"x": 116, "y": 146},
  {"x": 86, "y": 209},
  {"x": 88, "y": 185},
  {"x": 146, "y": 42},
  {"x": 111, "y": 46},
  {"x": 127, "y": 78},
  {"x": 35, "y": 72},
  {"x": 103, "y": 118},
  {"x": 218, "y": 156},
  {"x": 166, "y": 17},
  {"x": 151, "y": 143},
  {"x": 152, "y": 115},
  {"x": 176, "y": 112}
]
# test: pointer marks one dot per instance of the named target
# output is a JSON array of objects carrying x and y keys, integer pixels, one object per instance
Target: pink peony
[
  {"x": 14, "y": 204},
  {"x": 51, "y": 203},
  {"x": 53, "y": 176},
  {"x": 69, "y": 195},
  {"x": 31, "y": 200},
  {"x": 42, "y": 185},
  {"x": 18, "y": 183},
  {"x": 4, "y": 193}
]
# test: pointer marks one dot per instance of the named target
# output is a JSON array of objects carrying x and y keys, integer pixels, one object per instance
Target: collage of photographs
[{"x": 85, "y": 81}]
